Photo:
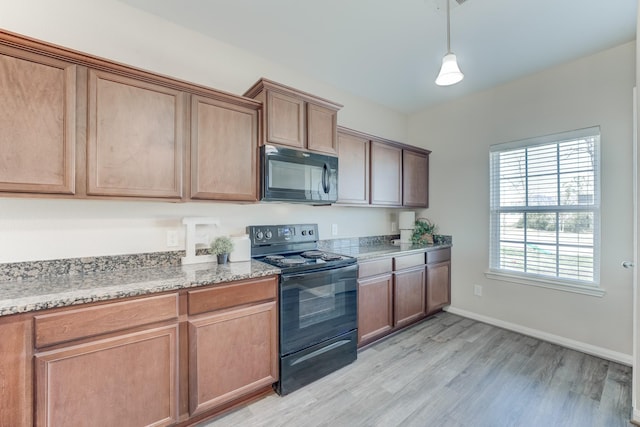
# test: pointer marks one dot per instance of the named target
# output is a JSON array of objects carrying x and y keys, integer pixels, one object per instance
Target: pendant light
[{"x": 450, "y": 73}]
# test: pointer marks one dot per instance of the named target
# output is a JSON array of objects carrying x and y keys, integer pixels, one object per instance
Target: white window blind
[{"x": 545, "y": 207}]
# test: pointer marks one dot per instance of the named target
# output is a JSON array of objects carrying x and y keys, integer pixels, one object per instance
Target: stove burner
[
  {"x": 331, "y": 257},
  {"x": 274, "y": 257},
  {"x": 313, "y": 254}
]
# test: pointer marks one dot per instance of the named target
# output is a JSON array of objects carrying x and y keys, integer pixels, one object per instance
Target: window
[{"x": 545, "y": 208}]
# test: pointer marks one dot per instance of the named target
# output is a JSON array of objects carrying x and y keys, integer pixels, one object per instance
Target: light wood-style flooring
[{"x": 451, "y": 371}]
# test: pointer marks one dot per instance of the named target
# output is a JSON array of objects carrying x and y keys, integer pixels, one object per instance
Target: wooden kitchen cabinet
[
  {"x": 16, "y": 371},
  {"x": 224, "y": 147},
  {"x": 295, "y": 118},
  {"x": 375, "y": 300},
  {"x": 386, "y": 174},
  {"x": 233, "y": 338},
  {"x": 38, "y": 122},
  {"x": 415, "y": 179},
  {"x": 134, "y": 137},
  {"x": 113, "y": 364},
  {"x": 438, "y": 272},
  {"x": 409, "y": 288},
  {"x": 353, "y": 182}
]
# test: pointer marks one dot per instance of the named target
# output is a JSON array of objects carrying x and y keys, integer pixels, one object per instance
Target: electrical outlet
[
  {"x": 172, "y": 238},
  {"x": 477, "y": 290},
  {"x": 334, "y": 229}
]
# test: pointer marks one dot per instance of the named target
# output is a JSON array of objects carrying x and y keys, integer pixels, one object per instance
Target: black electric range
[{"x": 317, "y": 303}]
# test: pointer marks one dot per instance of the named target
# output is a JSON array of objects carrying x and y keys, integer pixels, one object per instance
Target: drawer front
[
  {"x": 237, "y": 293},
  {"x": 373, "y": 268},
  {"x": 408, "y": 261},
  {"x": 439, "y": 256},
  {"x": 96, "y": 320}
]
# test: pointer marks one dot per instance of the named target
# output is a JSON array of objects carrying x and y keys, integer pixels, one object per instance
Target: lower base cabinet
[
  {"x": 231, "y": 354},
  {"x": 375, "y": 307},
  {"x": 438, "y": 280},
  {"x": 409, "y": 298},
  {"x": 129, "y": 380}
]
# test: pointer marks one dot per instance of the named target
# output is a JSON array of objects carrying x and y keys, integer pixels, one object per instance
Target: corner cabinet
[
  {"x": 295, "y": 118},
  {"x": 224, "y": 147},
  {"x": 38, "y": 122}
]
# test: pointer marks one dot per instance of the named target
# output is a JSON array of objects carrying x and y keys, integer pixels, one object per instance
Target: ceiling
[{"x": 389, "y": 51}]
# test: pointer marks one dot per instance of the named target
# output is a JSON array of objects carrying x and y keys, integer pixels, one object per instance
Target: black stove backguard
[{"x": 317, "y": 303}]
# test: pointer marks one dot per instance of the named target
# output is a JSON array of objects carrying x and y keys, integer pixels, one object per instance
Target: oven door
[
  {"x": 316, "y": 306},
  {"x": 298, "y": 176}
]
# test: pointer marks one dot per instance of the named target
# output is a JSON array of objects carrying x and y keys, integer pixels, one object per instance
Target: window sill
[{"x": 549, "y": 284}]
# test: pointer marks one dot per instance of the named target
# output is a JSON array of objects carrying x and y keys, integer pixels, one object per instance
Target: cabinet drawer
[
  {"x": 375, "y": 267},
  {"x": 90, "y": 321},
  {"x": 238, "y": 293},
  {"x": 408, "y": 261},
  {"x": 439, "y": 255}
]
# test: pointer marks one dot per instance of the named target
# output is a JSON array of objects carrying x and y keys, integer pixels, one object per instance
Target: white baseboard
[
  {"x": 625, "y": 359},
  {"x": 635, "y": 416}
]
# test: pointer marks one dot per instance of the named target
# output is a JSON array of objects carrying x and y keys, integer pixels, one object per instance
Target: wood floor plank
[{"x": 454, "y": 372}]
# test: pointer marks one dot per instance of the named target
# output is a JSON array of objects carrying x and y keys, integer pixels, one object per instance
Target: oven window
[{"x": 320, "y": 304}]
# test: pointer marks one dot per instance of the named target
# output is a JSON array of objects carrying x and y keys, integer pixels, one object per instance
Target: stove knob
[
  {"x": 259, "y": 235},
  {"x": 310, "y": 232},
  {"x": 304, "y": 232},
  {"x": 268, "y": 234}
]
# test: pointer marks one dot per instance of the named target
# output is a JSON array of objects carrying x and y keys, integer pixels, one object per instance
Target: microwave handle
[{"x": 326, "y": 184}]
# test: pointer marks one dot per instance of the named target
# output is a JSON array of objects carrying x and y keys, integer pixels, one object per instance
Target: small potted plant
[
  {"x": 221, "y": 247},
  {"x": 423, "y": 232}
]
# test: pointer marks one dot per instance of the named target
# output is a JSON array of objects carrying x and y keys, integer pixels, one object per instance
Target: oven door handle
[
  {"x": 321, "y": 272},
  {"x": 320, "y": 351}
]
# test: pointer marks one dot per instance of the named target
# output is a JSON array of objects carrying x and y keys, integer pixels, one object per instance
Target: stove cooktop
[{"x": 307, "y": 260}]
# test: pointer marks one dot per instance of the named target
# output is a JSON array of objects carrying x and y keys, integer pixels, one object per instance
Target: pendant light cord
[{"x": 448, "y": 28}]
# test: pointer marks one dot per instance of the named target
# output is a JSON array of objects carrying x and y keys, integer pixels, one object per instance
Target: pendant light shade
[{"x": 450, "y": 73}]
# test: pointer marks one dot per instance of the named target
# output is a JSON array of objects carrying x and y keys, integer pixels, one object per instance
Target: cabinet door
[
  {"x": 322, "y": 126},
  {"x": 409, "y": 299},
  {"x": 438, "y": 286},
  {"x": 128, "y": 380},
  {"x": 224, "y": 144},
  {"x": 16, "y": 375},
  {"x": 375, "y": 307},
  {"x": 135, "y": 132},
  {"x": 415, "y": 179},
  {"x": 231, "y": 353},
  {"x": 285, "y": 120},
  {"x": 37, "y": 118},
  {"x": 353, "y": 180},
  {"x": 386, "y": 174}
]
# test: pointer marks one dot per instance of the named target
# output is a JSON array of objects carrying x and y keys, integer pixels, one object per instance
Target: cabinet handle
[{"x": 320, "y": 351}]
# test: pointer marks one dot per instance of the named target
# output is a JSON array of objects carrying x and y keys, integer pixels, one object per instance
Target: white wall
[
  {"x": 49, "y": 229},
  {"x": 596, "y": 90}
]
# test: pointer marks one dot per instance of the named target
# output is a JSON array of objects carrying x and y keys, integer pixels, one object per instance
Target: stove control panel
[{"x": 261, "y": 235}]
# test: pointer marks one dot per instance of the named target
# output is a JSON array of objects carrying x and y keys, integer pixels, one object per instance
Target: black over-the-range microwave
[{"x": 290, "y": 175}]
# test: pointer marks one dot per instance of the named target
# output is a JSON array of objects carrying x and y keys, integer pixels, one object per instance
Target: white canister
[{"x": 241, "y": 249}]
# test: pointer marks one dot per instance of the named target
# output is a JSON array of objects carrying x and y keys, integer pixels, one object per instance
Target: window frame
[{"x": 590, "y": 287}]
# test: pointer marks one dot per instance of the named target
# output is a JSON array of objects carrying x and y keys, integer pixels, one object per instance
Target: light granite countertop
[
  {"x": 39, "y": 285},
  {"x": 383, "y": 250},
  {"x": 20, "y": 296}
]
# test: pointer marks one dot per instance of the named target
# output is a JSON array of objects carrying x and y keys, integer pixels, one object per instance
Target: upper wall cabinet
[
  {"x": 415, "y": 179},
  {"x": 353, "y": 179},
  {"x": 295, "y": 118},
  {"x": 224, "y": 146},
  {"x": 134, "y": 137},
  {"x": 386, "y": 174},
  {"x": 375, "y": 171},
  {"x": 37, "y": 118}
]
